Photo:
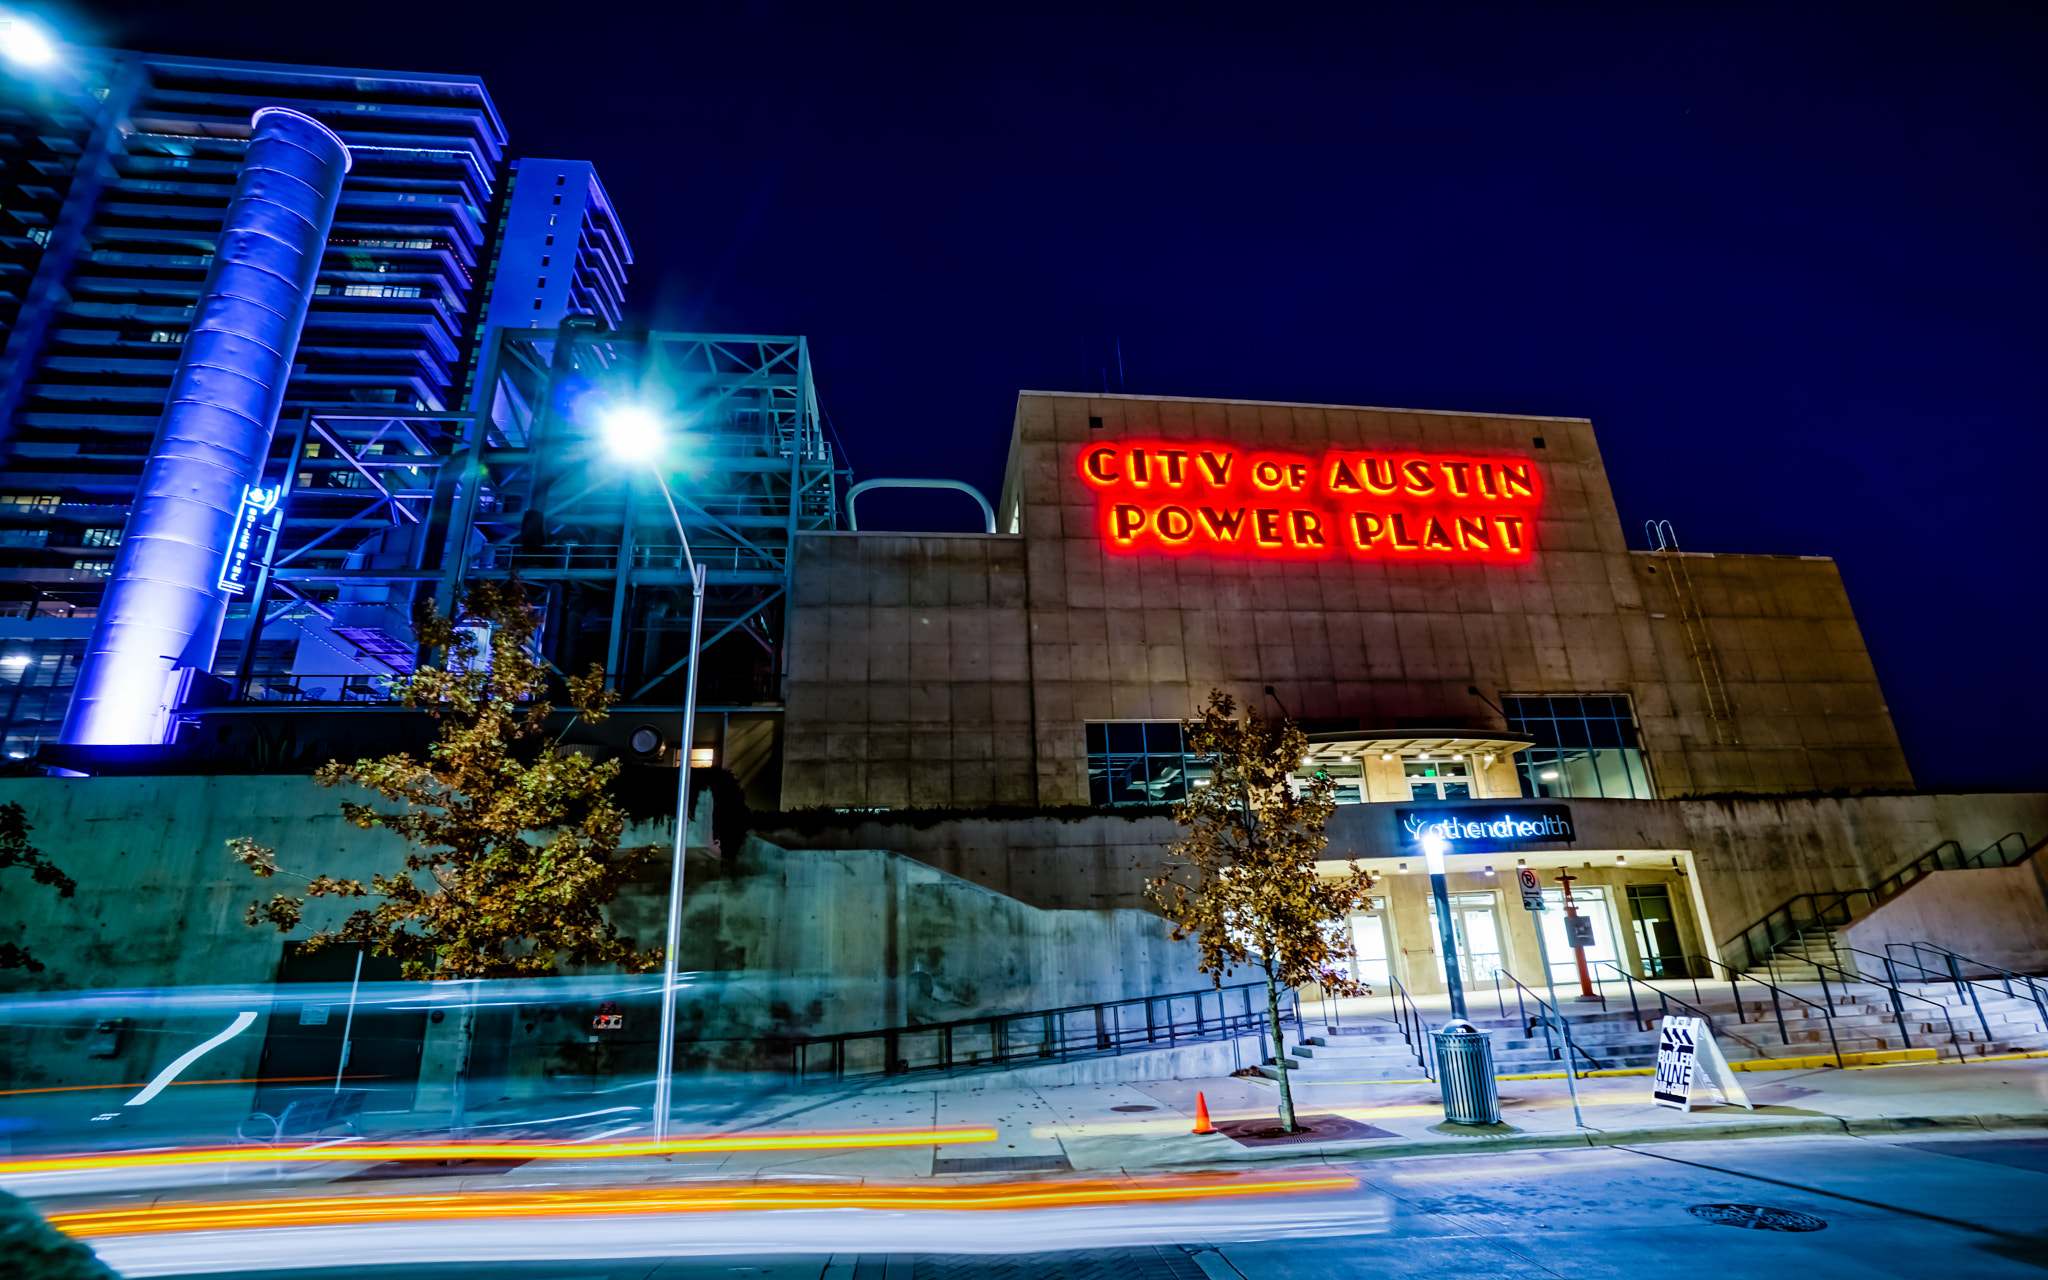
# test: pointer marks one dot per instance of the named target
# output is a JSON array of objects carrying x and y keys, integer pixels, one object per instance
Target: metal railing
[
  {"x": 1899, "y": 996},
  {"x": 1106, "y": 1028},
  {"x": 1793, "y": 918},
  {"x": 354, "y": 687},
  {"x": 1414, "y": 1031},
  {"x": 1665, "y": 1000},
  {"x": 1954, "y": 962},
  {"x": 1545, "y": 1020}
]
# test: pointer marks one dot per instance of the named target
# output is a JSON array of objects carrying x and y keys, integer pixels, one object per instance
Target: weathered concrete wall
[
  {"x": 1751, "y": 854},
  {"x": 909, "y": 674},
  {"x": 1995, "y": 915},
  {"x": 793, "y": 943},
  {"x": 922, "y": 666}
]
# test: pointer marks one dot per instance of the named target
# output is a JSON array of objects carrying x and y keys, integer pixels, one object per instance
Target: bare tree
[{"x": 1243, "y": 880}]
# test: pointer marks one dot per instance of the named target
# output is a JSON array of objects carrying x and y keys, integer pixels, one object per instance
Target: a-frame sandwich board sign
[{"x": 1688, "y": 1059}]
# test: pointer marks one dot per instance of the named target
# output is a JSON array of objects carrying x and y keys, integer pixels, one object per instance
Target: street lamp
[
  {"x": 1434, "y": 847},
  {"x": 636, "y": 434},
  {"x": 24, "y": 43}
]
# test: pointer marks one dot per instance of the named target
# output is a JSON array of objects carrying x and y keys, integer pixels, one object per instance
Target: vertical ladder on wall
[{"x": 1664, "y": 541}]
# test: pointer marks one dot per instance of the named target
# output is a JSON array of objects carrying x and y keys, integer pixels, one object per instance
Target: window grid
[{"x": 1586, "y": 746}]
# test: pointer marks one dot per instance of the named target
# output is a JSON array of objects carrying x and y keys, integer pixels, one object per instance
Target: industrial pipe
[
  {"x": 988, "y": 513},
  {"x": 165, "y": 602}
]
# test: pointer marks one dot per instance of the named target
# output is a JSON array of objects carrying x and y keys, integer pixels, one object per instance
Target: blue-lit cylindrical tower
[{"x": 164, "y": 605}]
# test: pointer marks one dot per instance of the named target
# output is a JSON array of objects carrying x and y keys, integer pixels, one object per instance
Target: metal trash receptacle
[{"x": 1464, "y": 1066}]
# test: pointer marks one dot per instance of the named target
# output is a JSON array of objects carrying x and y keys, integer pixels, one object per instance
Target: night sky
[{"x": 1789, "y": 258}]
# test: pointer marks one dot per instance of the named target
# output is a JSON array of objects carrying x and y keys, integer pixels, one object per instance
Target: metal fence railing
[{"x": 1106, "y": 1028}]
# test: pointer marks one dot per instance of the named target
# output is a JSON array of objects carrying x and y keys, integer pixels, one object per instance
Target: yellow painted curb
[{"x": 1868, "y": 1058}]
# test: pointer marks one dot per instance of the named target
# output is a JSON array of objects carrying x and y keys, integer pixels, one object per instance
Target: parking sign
[{"x": 1532, "y": 888}]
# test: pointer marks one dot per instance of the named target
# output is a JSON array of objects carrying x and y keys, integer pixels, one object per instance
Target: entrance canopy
[{"x": 1346, "y": 747}]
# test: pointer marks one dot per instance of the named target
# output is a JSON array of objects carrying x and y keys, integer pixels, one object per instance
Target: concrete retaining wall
[
  {"x": 1996, "y": 915},
  {"x": 1750, "y": 854},
  {"x": 793, "y": 944}
]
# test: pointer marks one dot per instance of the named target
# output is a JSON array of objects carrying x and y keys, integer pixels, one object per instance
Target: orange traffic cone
[{"x": 1202, "y": 1124}]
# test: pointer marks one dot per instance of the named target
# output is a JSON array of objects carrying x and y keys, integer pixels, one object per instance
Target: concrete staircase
[
  {"x": 1795, "y": 961},
  {"x": 1373, "y": 1050},
  {"x": 1864, "y": 1021}
]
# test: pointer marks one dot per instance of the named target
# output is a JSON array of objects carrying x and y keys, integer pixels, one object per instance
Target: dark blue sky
[{"x": 1789, "y": 258}]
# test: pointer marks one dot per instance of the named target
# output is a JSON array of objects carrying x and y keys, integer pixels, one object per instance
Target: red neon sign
[{"x": 1168, "y": 495}]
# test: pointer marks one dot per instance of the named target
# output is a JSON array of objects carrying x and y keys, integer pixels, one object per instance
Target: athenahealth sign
[
  {"x": 1186, "y": 496},
  {"x": 1487, "y": 828}
]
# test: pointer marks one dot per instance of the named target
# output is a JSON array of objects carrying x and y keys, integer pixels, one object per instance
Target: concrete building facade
[
  {"x": 1446, "y": 603},
  {"x": 967, "y": 670}
]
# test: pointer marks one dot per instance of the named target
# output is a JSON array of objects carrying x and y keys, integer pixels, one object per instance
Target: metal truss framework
[{"x": 382, "y": 506}]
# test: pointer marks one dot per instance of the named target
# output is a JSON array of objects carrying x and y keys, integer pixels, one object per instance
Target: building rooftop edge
[{"x": 1303, "y": 404}]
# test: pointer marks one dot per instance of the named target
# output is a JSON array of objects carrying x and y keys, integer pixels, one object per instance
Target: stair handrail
[
  {"x": 1564, "y": 1025},
  {"x": 1107, "y": 1035},
  {"x": 1850, "y": 979},
  {"x": 1952, "y": 974},
  {"x": 1735, "y": 978},
  {"x": 1664, "y": 1002},
  {"x": 1834, "y": 907},
  {"x": 2007, "y": 976},
  {"x": 1399, "y": 997}
]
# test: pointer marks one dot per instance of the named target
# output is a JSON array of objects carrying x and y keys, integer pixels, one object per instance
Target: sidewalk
[
  {"x": 1405, "y": 1118},
  {"x": 1124, "y": 1130}
]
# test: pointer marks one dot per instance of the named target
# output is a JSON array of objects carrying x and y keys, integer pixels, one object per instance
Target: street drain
[
  {"x": 1756, "y": 1217},
  {"x": 1134, "y": 1106}
]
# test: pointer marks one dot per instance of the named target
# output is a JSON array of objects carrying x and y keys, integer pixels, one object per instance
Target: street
[{"x": 1946, "y": 1205}]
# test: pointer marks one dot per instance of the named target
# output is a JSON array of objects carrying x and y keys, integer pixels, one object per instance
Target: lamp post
[
  {"x": 1433, "y": 849},
  {"x": 636, "y": 434}
]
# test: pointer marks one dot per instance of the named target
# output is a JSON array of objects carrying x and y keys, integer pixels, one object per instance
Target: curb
[{"x": 1184, "y": 1150}]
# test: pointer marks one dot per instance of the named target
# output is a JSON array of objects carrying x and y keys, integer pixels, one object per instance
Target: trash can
[{"x": 1464, "y": 1066}]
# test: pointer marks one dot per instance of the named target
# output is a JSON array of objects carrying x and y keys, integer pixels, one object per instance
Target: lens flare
[{"x": 632, "y": 432}]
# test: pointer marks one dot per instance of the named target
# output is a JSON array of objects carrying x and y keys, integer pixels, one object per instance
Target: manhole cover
[
  {"x": 1134, "y": 1106},
  {"x": 1756, "y": 1217}
]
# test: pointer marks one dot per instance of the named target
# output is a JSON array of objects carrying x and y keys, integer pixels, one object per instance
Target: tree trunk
[{"x": 1279, "y": 1053}]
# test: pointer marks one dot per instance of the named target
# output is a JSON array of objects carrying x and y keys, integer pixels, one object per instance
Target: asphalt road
[{"x": 1937, "y": 1207}]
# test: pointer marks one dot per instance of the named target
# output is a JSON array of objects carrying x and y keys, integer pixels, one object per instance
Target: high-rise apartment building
[{"x": 117, "y": 171}]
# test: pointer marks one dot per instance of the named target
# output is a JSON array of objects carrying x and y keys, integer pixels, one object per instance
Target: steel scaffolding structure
[{"x": 382, "y": 506}]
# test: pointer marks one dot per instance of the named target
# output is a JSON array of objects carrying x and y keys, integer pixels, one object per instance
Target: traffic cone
[{"x": 1202, "y": 1124}]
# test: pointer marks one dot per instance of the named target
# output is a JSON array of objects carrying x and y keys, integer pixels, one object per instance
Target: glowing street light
[
  {"x": 24, "y": 42},
  {"x": 632, "y": 433},
  {"x": 637, "y": 434}
]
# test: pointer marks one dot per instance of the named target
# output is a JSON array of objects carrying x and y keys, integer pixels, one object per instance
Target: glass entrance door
[
  {"x": 1369, "y": 947},
  {"x": 1477, "y": 933},
  {"x": 1656, "y": 926},
  {"x": 1592, "y": 902}
]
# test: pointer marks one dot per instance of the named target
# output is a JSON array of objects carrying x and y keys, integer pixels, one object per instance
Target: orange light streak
[
  {"x": 383, "y": 1151},
  {"x": 257, "y": 1214}
]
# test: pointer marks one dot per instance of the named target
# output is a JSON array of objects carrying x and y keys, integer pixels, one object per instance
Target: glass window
[
  {"x": 1139, "y": 762},
  {"x": 1585, "y": 747},
  {"x": 1589, "y": 901}
]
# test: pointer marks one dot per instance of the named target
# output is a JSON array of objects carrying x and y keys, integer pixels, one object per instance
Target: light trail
[
  {"x": 242, "y": 1023},
  {"x": 378, "y": 1152},
  {"x": 607, "y": 1202}
]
